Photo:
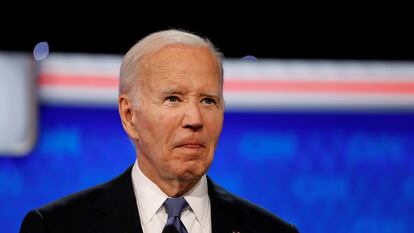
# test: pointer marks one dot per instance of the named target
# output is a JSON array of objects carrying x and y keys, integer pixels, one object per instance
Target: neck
[{"x": 176, "y": 188}]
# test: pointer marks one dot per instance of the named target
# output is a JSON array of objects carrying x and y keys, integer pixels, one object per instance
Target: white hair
[{"x": 130, "y": 67}]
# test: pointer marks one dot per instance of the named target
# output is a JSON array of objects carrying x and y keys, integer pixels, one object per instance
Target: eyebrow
[
  {"x": 172, "y": 91},
  {"x": 215, "y": 95}
]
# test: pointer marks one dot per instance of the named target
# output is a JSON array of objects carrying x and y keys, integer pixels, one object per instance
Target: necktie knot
[{"x": 175, "y": 206}]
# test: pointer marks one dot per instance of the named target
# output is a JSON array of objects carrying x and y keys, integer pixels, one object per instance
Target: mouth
[{"x": 191, "y": 145}]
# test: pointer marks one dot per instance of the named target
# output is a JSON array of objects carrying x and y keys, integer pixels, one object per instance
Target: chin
[
  {"x": 191, "y": 170},
  {"x": 191, "y": 174}
]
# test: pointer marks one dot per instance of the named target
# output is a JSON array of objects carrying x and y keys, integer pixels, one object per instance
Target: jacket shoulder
[
  {"x": 73, "y": 202},
  {"x": 91, "y": 197},
  {"x": 263, "y": 219},
  {"x": 68, "y": 214},
  {"x": 74, "y": 212},
  {"x": 246, "y": 215}
]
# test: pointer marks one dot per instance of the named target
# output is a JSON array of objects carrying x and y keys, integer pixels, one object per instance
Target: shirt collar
[
  {"x": 198, "y": 200},
  {"x": 150, "y": 197}
]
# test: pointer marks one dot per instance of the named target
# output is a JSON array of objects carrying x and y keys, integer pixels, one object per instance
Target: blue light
[
  {"x": 249, "y": 58},
  {"x": 41, "y": 51}
]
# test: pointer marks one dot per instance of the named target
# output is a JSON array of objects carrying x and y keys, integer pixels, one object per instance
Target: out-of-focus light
[
  {"x": 41, "y": 50},
  {"x": 249, "y": 58}
]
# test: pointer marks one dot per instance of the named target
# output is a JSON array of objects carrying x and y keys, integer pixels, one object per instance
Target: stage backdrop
[{"x": 331, "y": 168}]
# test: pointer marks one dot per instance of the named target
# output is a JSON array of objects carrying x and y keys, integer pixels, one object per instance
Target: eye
[
  {"x": 172, "y": 99},
  {"x": 208, "y": 101}
]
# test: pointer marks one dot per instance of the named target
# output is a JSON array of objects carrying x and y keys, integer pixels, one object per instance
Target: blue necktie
[{"x": 174, "y": 208}]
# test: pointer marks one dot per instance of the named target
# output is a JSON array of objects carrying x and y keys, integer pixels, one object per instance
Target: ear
[{"x": 126, "y": 112}]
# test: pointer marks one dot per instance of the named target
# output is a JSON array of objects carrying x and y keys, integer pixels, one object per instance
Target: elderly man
[{"x": 171, "y": 106}]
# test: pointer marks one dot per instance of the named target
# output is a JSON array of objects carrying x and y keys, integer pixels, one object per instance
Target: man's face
[{"x": 179, "y": 115}]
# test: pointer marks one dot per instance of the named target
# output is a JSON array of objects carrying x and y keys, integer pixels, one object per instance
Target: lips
[{"x": 191, "y": 144}]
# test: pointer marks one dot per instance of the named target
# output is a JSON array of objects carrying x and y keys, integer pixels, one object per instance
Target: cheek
[
  {"x": 216, "y": 124},
  {"x": 148, "y": 132},
  {"x": 153, "y": 122},
  {"x": 162, "y": 128}
]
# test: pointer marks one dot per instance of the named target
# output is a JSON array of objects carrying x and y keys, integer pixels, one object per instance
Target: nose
[{"x": 193, "y": 118}]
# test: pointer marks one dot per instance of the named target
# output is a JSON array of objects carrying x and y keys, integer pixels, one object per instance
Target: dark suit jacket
[{"x": 111, "y": 207}]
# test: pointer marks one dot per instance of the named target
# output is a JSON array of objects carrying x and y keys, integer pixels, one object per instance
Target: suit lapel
[
  {"x": 226, "y": 214},
  {"x": 116, "y": 207},
  {"x": 117, "y": 210}
]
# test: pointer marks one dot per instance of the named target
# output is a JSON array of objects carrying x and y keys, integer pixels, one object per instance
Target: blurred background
[{"x": 319, "y": 121}]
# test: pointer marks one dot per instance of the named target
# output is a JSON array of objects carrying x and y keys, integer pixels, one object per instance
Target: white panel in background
[
  {"x": 267, "y": 84},
  {"x": 18, "y": 104}
]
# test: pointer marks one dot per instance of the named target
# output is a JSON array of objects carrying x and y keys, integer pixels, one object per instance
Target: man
[{"x": 171, "y": 106}]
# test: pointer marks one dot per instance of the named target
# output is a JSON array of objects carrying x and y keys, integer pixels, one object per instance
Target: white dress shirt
[{"x": 153, "y": 216}]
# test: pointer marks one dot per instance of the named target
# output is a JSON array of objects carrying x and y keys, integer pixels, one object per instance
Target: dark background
[
  {"x": 347, "y": 35},
  {"x": 352, "y": 170}
]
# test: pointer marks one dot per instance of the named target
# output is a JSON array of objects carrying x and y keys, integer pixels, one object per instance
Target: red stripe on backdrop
[
  {"x": 320, "y": 86},
  {"x": 91, "y": 81}
]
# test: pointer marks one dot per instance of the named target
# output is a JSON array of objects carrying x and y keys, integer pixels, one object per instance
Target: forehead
[
  {"x": 181, "y": 56},
  {"x": 177, "y": 63}
]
